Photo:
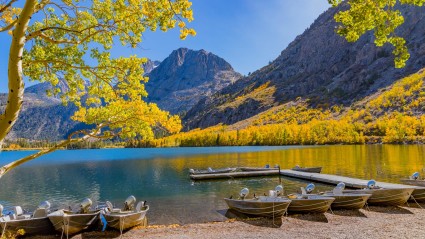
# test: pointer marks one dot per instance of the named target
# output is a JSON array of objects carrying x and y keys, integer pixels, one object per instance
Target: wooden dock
[
  {"x": 335, "y": 179},
  {"x": 234, "y": 175}
]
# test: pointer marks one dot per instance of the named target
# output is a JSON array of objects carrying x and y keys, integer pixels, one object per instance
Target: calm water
[{"x": 160, "y": 176}]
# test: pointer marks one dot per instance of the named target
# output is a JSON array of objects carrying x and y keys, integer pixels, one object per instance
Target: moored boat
[
  {"x": 127, "y": 217},
  {"x": 211, "y": 171},
  {"x": 384, "y": 196},
  {"x": 36, "y": 223},
  {"x": 252, "y": 169},
  {"x": 70, "y": 223},
  {"x": 265, "y": 206},
  {"x": 346, "y": 200},
  {"x": 308, "y": 169}
]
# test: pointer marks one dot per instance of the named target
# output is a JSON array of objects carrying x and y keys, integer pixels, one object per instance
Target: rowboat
[
  {"x": 308, "y": 170},
  {"x": 36, "y": 223},
  {"x": 347, "y": 200},
  {"x": 309, "y": 203},
  {"x": 384, "y": 196},
  {"x": 127, "y": 217},
  {"x": 420, "y": 183},
  {"x": 414, "y": 180},
  {"x": 264, "y": 206},
  {"x": 70, "y": 223},
  {"x": 252, "y": 169},
  {"x": 211, "y": 171}
]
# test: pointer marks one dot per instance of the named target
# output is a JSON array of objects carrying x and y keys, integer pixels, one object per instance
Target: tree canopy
[
  {"x": 379, "y": 16},
  {"x": 70, "y": 41}
]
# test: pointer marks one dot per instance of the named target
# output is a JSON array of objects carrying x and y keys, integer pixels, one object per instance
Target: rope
[
  {"x": 4, "y": 229},
  {"x": 416, "y": 201},
  {"x": 122, "y": 220}
]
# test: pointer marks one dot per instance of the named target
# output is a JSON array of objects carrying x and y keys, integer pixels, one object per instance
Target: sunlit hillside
[{"x": 393, "y": 115}]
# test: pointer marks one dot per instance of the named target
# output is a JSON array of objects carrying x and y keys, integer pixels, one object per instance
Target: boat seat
[
  {"x": 25, "y": 216},
  {"x": 139, "y": 206},
  {"x": 40, "y": 212}
]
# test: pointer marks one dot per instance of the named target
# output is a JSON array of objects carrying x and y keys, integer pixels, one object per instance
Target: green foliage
[{"x": 379, "y": 16}]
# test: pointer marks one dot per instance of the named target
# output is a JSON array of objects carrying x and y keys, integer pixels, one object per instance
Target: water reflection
[{"x": 161, "y": 177}]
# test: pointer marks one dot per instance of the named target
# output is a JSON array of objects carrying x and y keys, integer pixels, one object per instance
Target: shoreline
[{"x": 379, "y": 222}]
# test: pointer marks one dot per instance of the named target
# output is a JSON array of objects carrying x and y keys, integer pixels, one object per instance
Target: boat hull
[
  {"x": 309, "y": 170},
  {"x": 420, "y": 183},
  {"x": 311, "y": 204},
  {"x": 270, "y": 207},
  {"x": 72, "y": 223},
  {"x": 123, "y": 221},
  {"x": 227, "y": 170},
  {"x": 348, "y": 200},
  {"x": 254, "y": 169},
  {"x": 33, "y": 226},
  {"x": 385, "y": 197},
  {"x": 418, "y": 195}
]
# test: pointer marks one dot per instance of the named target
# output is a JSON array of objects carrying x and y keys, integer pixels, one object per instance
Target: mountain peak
[{"x": 186, "y": 76}]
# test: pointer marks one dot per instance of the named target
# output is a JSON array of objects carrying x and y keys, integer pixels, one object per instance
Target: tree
[
  {"x": 70, "y": 40},
  {"x": 379, "y": 16}
]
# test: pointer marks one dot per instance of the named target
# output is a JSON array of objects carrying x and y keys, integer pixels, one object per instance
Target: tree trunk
[{"x": 15, "y": 75}]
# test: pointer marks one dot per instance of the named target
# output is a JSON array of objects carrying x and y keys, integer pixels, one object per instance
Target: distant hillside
[
  {"x": 185, "y": 77},
  {"x": 394, "y": 114},
  {"x": 318, "y": 65}
]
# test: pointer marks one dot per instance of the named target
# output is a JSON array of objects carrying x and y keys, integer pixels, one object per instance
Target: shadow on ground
[
  {"x": 390, "y": 210},
  {"x": 349, "y": 213},
  {"x": 252, "y": 220},
  {"x": 312, "y": 217}
]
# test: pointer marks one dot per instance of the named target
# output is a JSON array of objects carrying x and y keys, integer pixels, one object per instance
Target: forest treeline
[{"x": 393, "y": 115}]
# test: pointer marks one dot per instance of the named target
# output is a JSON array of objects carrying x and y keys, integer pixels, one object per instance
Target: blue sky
[{"x": 246, "y": 33}]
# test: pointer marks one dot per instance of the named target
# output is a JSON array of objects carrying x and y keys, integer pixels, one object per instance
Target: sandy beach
[{"x": 377, "y": 222}]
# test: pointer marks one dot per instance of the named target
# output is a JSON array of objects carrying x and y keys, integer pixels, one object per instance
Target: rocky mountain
[
  {"x": 318, "y": 65},
  {"x": 150, "y": 65},
  {"x": 185, "y": 77},
  {"x": 175, "y": 84}
]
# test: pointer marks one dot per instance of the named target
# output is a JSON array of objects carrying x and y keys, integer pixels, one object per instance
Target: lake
[{"x": 160, "y": 175}]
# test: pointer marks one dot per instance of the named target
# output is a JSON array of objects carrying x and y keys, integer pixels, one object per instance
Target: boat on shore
[
  {"x": 414, "y": 180},
  {"x": 384, "y": 196},
  {"x": 69, "y": 222},
  {"x": 264, "y": 206},
  {"x": 347, "y": 200},
  {"x": 308, "y": 169},
  {"x": 36, "y": 223},
  {"x": 126, "y": 217},
  {"x": 211, "y": 171},
  {"x": 309, "y": 203}
]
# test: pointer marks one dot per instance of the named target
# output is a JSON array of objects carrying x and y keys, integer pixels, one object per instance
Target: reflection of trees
[{"x": 164, "y": 181}]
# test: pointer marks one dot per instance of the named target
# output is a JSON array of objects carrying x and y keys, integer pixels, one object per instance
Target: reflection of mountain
[{"x": 163, "y": 179}]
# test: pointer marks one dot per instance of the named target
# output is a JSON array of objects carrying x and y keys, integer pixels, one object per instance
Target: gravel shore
[{"x": 378, "y": 222}]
